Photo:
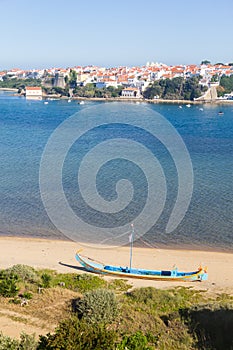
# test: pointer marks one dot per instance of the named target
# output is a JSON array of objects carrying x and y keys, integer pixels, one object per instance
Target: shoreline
[
  {"x": 8, "y": 89},
  {"x": 60, "y": 256},
  {"x": 126, "y": 99},
  {"x": 159, "y": 246},
  {"x": 141, "y": 100}
]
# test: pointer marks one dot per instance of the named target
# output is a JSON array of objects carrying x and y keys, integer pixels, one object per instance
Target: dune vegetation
[{"x": 84, "y": 311}]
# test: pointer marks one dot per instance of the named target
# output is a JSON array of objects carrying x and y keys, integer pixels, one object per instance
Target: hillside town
[{"x": 132, "y": 81}]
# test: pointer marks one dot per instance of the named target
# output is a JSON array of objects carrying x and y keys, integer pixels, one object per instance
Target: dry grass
[{"x": 45, "y": 310}]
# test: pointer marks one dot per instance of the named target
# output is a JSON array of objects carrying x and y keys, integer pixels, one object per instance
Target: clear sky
[{"x": 48, "y": 33}]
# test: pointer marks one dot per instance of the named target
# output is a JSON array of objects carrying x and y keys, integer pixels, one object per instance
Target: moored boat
[{"x": 165, "y": 275}]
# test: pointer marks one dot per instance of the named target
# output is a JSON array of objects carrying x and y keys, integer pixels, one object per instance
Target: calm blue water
[{"x": 26, "y": 126}]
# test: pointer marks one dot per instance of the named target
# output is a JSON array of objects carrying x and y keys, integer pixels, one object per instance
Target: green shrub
[
  {"x": 27, "y": 295},
  {"x": 27, "y": 342},
  {"x": 46, "y": 280},
  {"x": 24, "y": 272},
  {"x": 75, "y": 335},
  {"x": 97, "y": 306},
  {"x": 6, "y": 343},
  {"x": 137, "y": 341},
  {"x": 8, "y": 284}
]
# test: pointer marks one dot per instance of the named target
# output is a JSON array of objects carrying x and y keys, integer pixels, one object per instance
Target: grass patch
[{"x": 119, "y": 285}]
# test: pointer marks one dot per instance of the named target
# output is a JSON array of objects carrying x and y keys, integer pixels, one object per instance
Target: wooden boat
[{"x": 165, "y": 275}]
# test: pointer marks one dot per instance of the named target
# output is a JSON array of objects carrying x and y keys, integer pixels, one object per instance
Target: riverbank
[
  {"x": 125, "y": 99},
  {"x": 41, "y": 253},
  {"x": 8, "y": 89},
  {"x": 139, "y": 100}
]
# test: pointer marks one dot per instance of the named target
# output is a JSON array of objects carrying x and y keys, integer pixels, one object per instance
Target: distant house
[
  {"x": 33, "y": 93},
  {"x": 2, "y": 74},
  {"x": 131, "y": 92},
  {"x": 106, "y": 83}
]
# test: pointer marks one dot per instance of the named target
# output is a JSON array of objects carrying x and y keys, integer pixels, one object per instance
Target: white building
[
  {"x": 131, "y": 92},
  {"x": 33, "y": 93}
]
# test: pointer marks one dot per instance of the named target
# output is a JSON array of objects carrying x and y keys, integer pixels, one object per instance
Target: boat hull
[{"x": 124, "y": 272}]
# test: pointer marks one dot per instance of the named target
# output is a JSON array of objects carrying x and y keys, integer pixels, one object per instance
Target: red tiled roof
[
  {"x": 33, "y": 88},
  {"x": 131, "y": 89}
]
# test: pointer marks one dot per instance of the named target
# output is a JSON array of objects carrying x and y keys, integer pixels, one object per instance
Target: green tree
[
  {"x": 215, "y": 78},
  {"x": 205, "y": 62},
  {"x": 8, "y": 284},
  {"x": 73, "y": 78},
  {"x": 227, "y": 83},
  {"x": 177, "y": 88},
  {"x": 72, "y": 334},
  {"x": 19, "y": 83}
]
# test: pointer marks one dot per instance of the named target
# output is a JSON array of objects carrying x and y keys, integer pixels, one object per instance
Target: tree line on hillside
[
  {"x": 90, "y": 90},
  {"x": 19, "y": 84},
  {"x": 175, "y": 89}
]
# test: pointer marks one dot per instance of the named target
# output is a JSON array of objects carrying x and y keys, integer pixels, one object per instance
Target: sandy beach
[{"x": 50, "y": 254}]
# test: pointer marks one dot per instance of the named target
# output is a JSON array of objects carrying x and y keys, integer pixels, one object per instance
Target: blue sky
[{"x": 48, "y": 33}]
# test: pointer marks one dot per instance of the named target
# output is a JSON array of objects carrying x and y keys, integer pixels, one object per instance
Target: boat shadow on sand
[{"x": 79, "y": 268}]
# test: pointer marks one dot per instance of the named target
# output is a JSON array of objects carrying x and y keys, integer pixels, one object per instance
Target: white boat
[
  {"x": 46, "y": 103},
  {"x": 180, "y": 106},
  {"x": 81, "y": 102},
  {"x": 188, "y": 105},
  {"x": 69, "y": 100}
]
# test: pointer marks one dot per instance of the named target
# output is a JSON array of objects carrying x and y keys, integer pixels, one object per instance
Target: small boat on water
[
  {"x": 220, "y": 113},
  {"x": 165, "y": 275},
  {"x": 188, "y": 105},
  {"x": 81, "y": 102}
]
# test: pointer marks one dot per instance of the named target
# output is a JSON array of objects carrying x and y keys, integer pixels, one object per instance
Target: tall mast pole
[{"x": 131, "y": 246}]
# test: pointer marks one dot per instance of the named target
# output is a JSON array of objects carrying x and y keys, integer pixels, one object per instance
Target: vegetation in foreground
[{"x": 87, "y": 312}]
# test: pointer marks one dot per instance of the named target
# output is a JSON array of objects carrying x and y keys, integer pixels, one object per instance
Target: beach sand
[{"x": 41, "y": 253}]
